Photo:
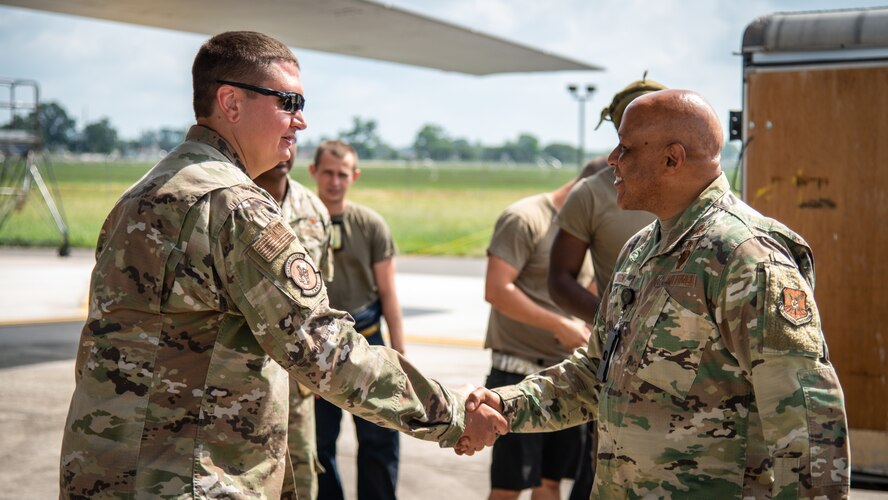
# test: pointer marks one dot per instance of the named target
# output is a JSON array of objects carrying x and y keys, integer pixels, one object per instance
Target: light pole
[{"x": 581, "y": 96}]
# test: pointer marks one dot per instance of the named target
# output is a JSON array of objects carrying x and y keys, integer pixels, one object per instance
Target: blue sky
[{"x": 140, "y": 77}]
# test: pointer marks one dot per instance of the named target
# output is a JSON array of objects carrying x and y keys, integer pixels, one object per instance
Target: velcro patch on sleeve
[
  {"x": 792, "y": 322},
  {"x": 276, "y": 237},
  {"x": 303, "y": 274}
]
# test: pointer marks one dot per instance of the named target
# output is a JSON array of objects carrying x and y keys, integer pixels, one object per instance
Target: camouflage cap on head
[{"x": 614, "y": 112}]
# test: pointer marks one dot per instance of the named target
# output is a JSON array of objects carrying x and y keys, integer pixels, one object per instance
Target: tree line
[
  {"x": 432, "y": 142},
  {"x": 61, "y": 133}
]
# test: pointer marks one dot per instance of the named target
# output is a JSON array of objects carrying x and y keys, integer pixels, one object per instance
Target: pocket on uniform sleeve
[
  {"x": 792, "y": 322},
  {"x": 786, "y": 478},
  {"x": 827, "y": 427},
  {"x": 674, "y": 348},
  {"x": 292, "y": 273}
]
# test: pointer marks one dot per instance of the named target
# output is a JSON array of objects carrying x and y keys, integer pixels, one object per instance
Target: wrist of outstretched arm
[
  {"x": 457, "y": 427},
  {"x": 511, "y": 401}
]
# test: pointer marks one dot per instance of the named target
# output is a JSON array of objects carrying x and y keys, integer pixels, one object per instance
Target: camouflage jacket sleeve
[
  {"x": 566, "y": 394},
  {"x": 560, "y": 396},
  {"x": 766, "y": 315},
  {"x": 278, "y": 290}
]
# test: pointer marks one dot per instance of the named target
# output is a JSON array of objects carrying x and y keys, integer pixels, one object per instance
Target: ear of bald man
[{"x": 676, "y": 155}]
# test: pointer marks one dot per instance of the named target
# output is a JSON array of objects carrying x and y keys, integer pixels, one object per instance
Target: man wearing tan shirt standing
[
  {"x": 528, "y": 332},
  {"x": 364, "y": 285}
]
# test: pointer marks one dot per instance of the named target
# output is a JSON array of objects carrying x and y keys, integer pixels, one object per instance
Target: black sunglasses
[{"x": 291, "y": 102}]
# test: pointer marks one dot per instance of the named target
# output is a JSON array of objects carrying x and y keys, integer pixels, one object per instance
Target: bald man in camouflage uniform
[
  {"x": 307, "y": 215},
  {"x": 709, "y": 375},
  {"x": 203, "y": 303}
]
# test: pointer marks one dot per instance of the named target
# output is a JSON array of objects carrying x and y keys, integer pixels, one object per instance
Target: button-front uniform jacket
[
  {"x": 720, "y": 386},
  {"x": 201, "y": 293}
]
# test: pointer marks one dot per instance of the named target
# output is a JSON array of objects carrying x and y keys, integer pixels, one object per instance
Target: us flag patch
[{"x": 276, "y": 238}]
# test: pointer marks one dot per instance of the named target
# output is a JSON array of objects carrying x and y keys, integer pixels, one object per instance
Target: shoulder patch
[
  {"x": 303, "y": 274},
  {"x": 276, "y": 237},
  {"x": 794, "y": 306},
  {"x": 792, "y": 322}
]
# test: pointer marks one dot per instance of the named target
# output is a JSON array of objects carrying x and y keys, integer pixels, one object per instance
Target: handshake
[{"x": 484, "y": 422}]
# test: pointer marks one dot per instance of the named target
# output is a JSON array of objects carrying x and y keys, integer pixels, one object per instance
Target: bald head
[
  {"x": 669, "y": 151},
  {"x": 683, "y": 117}
]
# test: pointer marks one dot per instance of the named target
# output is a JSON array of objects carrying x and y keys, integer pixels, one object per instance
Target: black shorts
[{"x": 522, "y": 461}]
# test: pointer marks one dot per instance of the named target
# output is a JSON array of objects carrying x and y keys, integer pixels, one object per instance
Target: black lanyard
[{"x": 627, "y": 297}]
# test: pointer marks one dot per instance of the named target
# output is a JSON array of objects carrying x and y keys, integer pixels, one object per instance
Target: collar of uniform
[
  {"x": 201, "y": 133},
  {"x": 715, "y": 191}
]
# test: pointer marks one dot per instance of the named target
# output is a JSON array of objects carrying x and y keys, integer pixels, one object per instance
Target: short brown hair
[
  {"x": 338, "y": 149},
  {"x": 240, "y": 56}
]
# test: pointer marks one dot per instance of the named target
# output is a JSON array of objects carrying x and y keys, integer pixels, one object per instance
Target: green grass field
[
  {"x": 443, "y": 210},
  {"x": 440, "y": 210}
]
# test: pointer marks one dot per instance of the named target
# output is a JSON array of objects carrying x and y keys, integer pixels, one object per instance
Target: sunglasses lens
[{"x": 292, "y": 103}]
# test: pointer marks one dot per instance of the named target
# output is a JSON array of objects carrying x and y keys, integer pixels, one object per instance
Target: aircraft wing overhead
[{"x": 351, "y": 27}]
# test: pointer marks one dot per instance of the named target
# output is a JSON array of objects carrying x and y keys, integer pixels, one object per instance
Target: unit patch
[
  {"x": 304, "y": 274},
  {"x": 794, "y": 307},
  {"x": 792, "y": 323}
]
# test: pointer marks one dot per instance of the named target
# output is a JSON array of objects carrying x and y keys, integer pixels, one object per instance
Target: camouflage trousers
[{"x": 301, "y": 480}]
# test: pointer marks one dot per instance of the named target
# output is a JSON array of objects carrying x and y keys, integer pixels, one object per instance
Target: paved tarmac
[{"x": 42, "y": 307}]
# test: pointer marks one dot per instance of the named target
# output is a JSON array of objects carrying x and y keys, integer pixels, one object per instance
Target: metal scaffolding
[{"x": 23, "y": 161}]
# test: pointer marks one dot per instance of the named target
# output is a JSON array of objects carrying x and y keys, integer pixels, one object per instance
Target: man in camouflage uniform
[
  {"x": 307, "y": 215},
  {"x": 709, "y": 375},
  {"x": 202, "y": 300}
]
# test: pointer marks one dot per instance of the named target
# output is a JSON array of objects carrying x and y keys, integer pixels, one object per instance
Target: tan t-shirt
[
  {"x": 591, "y": 214},
  {"x": 360, "y": 239},
  {"x": 523, "y": 238}
]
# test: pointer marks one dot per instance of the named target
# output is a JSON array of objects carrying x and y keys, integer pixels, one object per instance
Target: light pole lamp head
[
  {"x": 590, "y": 88},
  {"x": 572, "y": 88}
]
